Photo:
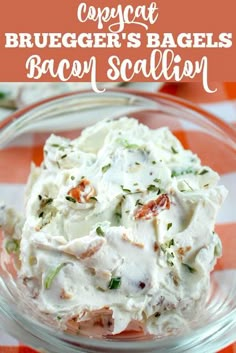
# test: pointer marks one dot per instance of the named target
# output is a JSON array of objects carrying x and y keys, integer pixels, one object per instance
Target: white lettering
[{"x": 11, "y": 40}]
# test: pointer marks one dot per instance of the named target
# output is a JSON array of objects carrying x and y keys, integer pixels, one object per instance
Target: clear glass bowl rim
[{"x": 229, "y": 129}]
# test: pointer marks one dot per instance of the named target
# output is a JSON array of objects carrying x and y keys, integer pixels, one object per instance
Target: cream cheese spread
[{"x": 120, "y": 220}]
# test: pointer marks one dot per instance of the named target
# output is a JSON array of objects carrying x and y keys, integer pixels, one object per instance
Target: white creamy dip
[{"x": 119, "y": 220}]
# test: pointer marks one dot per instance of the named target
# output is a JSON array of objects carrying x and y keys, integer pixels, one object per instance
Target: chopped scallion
[
  {"x": 100, "y": 232},
  {"x": 174, "y": 150},
  {"x": 204, "y": 171},
  {"x": 124, "y": 189},
  {"x": 12, "y": 246},
  {"x": 152, "y": 187},
  {"x": 51, "y": 275},
  {"x": 169, "y": 225},
  {"x": 190, "y": 269},
  {"x": 71, "y": 199},
  {"x": 93, "y": 198},
  {"x": 106, "y": 167},
  {"x": 114, "y": 283},
  {"x": 170, "y": 257},
  {"x": 156, "y": 180},
  {"x": 138, "y": 203},
  {"x": 2, "y": 95}
]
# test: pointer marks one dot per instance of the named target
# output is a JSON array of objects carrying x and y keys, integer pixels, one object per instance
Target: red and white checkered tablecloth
[{"x": 222, "y": 104}]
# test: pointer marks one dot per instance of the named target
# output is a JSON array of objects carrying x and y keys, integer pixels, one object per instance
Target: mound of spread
[{"x": 120, "y": 222}]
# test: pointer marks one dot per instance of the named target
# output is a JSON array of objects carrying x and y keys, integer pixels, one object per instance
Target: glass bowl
[{"x": 22, "y": 136}]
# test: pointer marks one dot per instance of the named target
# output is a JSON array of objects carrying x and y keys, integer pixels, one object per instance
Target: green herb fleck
[
  {"x": 41, "y": 214},
  {"x": 40, "y": 197},
  {"x": 55, "y": 145},
  {"x": 64, "y": 156},
  {"x": 174, "y": 150},
  {"x": 71, "y": 199},
  {"x": 106, "y": 167},
  {"x": 72, "y": 177},
  {"x": 51, "y": 275},
  {"x": 137, "y": 163},
  {"x": 170, "y": 257},
  {"x": 135, "y": 184},
  {"x": 204, "y": 171},
  {"x": 12, "y": 246},
  {"x": 186, "y": 171},
  {"x": 100, "y": 232},
  {"x": 167, "y": 245},
  {"x": 157, "y": 180},
  {"x": 32, "y": 260},
  {"x": 154, "y": 162},
  {"x": 217, "y": 250},
  {"x": 170, "y": 243},
  {"x": 59, "y": 317},
  {"x": 152, "y": 187},
  {"x": 206, "y": 185},
  {"x": 169, "y": 225},
  {"x": 114, "y": 283},
  {"x": 189, "y": 268},
  {"x": 46, "y": 201},
  {"x": 189, "y": 171},
  {"x": 126, "y": 144},
  {"x": 2, "y": 95},
  {"x": 118, "y": 216},
  {"x": 138, "y": 203},
  {"x": 93, "y": 198},
  {"x": 174, "y": 174},
  {"x": 124, "y": 189}
]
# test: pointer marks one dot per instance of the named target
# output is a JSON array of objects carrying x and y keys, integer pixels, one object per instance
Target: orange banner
[{"x": 162, "y": 40}]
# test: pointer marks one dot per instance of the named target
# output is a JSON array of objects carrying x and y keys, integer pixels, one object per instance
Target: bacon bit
[
  {"x": 175, "y": 278},
  {"x": 65, "y": 295},
  {"x": 182, "y": 251},
  {"x": 126, "y": 238},
  {"x": 78, "y": 193},
  {"x": 91, "y": 251},
  {"x": 92, "y": 271},
  {"x": 155, "y": 246},
  {"x": 73, "y": 325},
  {"x": 142, "y": 285},
  {"x": 99, "y": 322},
  {"x": 153, "y": 207}
]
